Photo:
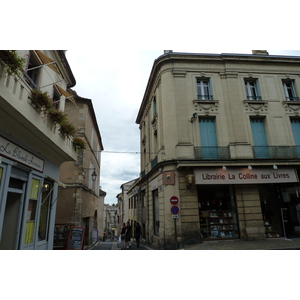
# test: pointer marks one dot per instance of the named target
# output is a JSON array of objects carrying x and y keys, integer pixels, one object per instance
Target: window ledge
[{"x": 256, "y": 101}]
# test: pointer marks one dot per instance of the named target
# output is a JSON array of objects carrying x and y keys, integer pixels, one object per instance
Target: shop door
[
  {"x": 11, "y": 223},
  {"x": 11, "y": 226},
  {"x": 290, "y": 210}
]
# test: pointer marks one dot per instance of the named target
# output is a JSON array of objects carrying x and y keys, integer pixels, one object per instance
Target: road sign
[
  {"x": 174, "y": 200},
  {"x": 174, "y": 210},
  {"x": 175, "y": 217}
]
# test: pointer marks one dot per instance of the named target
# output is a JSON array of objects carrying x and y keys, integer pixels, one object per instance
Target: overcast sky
[{"x": 116, "y": 83}]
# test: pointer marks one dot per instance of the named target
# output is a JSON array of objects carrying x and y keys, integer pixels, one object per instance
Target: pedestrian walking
[
  {"x": 138, "y": 232},
  {"x": 122, "y": 236},
  {"x": 128, "y": 232}
]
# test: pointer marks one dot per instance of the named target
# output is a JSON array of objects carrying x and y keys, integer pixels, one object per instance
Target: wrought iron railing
[
  {"x": 254, "y": 98},
  {"x": 292, "y": 98},
  {"x": 276, "y": 152},
  {"x": 205, "y": 97},
  {"x": 210, "y": 152},
  {"x": 154, "y": 162}
]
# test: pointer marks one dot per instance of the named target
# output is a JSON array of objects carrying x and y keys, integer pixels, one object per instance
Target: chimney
[
  {"x": 168, "y": 51},
  {"x": 260, "y": 52}
]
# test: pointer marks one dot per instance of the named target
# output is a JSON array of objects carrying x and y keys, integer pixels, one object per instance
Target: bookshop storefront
[
  {"x": 27, "y": 212},
  {"x": 266, "y": 196}
]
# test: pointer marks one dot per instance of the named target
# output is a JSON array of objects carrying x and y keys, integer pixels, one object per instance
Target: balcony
[
  {"x": 212, "y": 153},
  {"x": 276, "y": 152},
  {"x": 25, "y": 124}
]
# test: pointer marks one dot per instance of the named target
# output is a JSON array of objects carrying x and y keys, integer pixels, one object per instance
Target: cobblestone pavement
[{"x": 268, "y": 244}]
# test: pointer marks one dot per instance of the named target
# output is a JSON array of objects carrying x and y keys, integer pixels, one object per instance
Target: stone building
[
  {"x": 32, "y": 146},
  {"x": 220, "y": 148},
  {"x": 79, "y": 202}
]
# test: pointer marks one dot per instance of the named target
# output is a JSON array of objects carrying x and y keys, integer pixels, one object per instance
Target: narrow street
[{"x": 113, "y": 245}]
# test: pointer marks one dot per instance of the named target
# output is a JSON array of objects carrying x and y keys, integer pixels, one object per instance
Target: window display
[{"x": 217, "y": 212}]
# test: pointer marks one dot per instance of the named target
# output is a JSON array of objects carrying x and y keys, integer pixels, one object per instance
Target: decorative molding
[
  {"x": 206, "y": 106},
  {"x": 256, "y": 106},
  {"x": 179, "y": 73},
  {"x": 292, "y": 106},
  {"x": 154, "y": 123}
]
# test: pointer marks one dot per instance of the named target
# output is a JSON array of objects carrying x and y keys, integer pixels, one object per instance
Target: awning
[
  {"x": 47, "y": 61},
  {"x": 68, "y": 96}
]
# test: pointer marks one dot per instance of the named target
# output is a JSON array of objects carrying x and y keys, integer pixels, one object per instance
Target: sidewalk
[{"x": 268, "y": 244}]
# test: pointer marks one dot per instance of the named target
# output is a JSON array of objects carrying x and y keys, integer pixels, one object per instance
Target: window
[
  {"x": 204, "y": 89},
  {"x": 31, "y": 211},
  {"x": 208, "y": 138},
  {"x": 154, "y": 107},
  {"x": 1, "y": 170},
  {"x": 33, "y": 71},
  {"x": 155, "y": 212},
  {"x": 45, "y": 210},
  {"x": 252, "y": 90},
  {"x": 289, "y": 91},
  {"x": 295, "y": 123},
  {"x": 261, "y": 149}
]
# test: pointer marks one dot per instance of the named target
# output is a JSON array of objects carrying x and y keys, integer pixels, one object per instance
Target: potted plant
[
  {"x": 79, "y": 143},
  {"x": 57, "y": 116},
  {"x": 13, "y": 61},
  {"x": 67, "y": 129},
  {"x": 41, "y": 100}
]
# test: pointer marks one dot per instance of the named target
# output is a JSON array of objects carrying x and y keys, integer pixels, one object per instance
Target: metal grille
[{"x": 207, "y": 152}]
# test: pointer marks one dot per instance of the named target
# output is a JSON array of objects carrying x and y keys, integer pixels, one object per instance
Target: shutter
[
  {"x": 208, "y": 137},
  {"x": 259, "y": 138}
]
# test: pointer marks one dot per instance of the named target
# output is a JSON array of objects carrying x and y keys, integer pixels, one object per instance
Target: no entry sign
[{"x": 174, "y": 200}]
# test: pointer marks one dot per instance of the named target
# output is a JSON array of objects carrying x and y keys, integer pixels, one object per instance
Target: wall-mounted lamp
[
  {"x": 194, "y": 117},
  {"x": 94, "y": 175},
  {"x": 224, "y": 168},
  {"x": 275, "y": 167},
  {"x": 190, "y": 179},
  {"x": 46, "y": 187},
  {"x": 249, "y": 167}
]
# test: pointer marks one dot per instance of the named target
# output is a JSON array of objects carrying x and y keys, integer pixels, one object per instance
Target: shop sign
[
  {"x": 20, "y": 155},
  {"x": 244, "y": 175}
]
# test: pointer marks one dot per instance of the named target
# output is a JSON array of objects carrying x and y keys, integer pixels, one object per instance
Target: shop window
[
  {"x": 31, "y": 211},
  {"x": 45, "y": 210},
  {"x": 217, "y": 212}
]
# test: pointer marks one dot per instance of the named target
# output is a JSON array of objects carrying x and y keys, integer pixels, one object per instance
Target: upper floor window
[
  {"x": 252, "y": 89},
  {"x": 289, "y": 90},
  {"x": 204, "y": 91},
  {"x": 33, "y": 70}
]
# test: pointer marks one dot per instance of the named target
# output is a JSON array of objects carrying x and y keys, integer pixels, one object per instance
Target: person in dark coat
[
  {"x": 138, "y": 232},
  {"x": 128, "y": 233}
]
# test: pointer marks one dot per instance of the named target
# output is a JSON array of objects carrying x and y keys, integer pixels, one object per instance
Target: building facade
[
  {"x": 220, "y": 148},
  {"x": 32, "y": 148},
  {"x": 79, "y": 202}
]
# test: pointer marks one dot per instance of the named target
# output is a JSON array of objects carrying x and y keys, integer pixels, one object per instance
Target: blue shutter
[
  {"x": 208, "y": 137},
  {"x": 296, "y": 131},
  {"x": 260, "y": 138}
]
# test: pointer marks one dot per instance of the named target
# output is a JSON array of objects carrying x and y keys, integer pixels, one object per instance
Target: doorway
[{"x": 11, "y": 222}]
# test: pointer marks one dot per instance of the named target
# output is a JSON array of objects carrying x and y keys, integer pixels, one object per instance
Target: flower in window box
[
  {"x": 14, "y": 63},
  {"x": 42, "y": 100},
  {"x": 57, "y": 116},
  {"x": 79, "y": 143},
  {"x": 67, "y": 129}
]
